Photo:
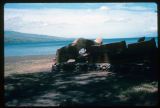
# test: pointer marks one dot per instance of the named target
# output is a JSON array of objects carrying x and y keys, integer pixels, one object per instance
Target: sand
[{"x": 27, "y": 64}]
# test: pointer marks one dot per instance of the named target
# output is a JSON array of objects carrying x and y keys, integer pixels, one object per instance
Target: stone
[
  {"x": 71, "y": 61},
  {"x": 141, "y": 39}
]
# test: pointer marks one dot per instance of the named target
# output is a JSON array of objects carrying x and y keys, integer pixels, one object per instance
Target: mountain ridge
[{"x": 18, "y": 37}]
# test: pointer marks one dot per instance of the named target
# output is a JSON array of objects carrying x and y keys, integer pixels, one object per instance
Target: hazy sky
[{"x": 89, "y": 20}]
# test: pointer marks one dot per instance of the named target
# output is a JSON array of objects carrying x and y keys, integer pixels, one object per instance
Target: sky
[{"x": 88, "y": 20}]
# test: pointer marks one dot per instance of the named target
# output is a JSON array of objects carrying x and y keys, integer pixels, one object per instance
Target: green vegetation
[{"x": 84, "y": 88}]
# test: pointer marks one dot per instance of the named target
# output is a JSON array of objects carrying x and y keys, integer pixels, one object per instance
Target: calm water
[{"x": 24, "y": 49}]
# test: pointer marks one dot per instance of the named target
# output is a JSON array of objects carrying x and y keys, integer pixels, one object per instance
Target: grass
[{"x": 82, "y": 88}]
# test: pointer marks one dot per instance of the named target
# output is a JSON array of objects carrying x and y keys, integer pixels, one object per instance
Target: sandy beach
[{"x": 27, "y": 64}]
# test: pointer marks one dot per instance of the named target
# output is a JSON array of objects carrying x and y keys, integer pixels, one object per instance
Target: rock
[
  {"x": 115, "y": 47},
  {"x": 141, "y": 39},
  {"x": 71, "y": 61},
  {"x": 71, "y": 51},
  {"x": 106, "y": 52},
  {"x": 84, "y": 43},
  {"x": 65, "y": 53},
  {"x": 142, "y": 48},
  {"x": 82, "y": 51}
]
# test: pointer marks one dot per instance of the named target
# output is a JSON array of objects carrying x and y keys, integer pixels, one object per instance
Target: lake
[{"x": 42, "y": 48}]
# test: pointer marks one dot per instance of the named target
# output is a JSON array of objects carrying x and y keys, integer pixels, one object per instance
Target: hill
[{"x": 17, "y": 37}]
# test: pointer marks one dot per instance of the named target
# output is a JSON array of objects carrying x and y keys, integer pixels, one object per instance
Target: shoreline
[{"x": 27, "y": 64}]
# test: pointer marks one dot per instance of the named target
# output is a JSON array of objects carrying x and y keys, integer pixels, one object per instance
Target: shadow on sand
[{"x": 78, "y": 89}]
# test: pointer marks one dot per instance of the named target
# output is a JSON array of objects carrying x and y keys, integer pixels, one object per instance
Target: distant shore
[{"x": 27, "y": 64}]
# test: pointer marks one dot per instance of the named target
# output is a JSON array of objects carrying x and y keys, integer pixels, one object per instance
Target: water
[{"x": 24, "y": 49}]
